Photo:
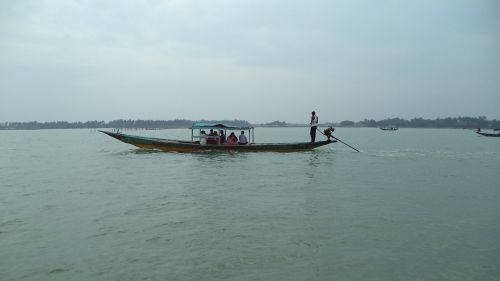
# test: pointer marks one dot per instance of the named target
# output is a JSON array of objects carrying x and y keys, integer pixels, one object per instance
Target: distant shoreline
[{"x": 439, "y": 123}]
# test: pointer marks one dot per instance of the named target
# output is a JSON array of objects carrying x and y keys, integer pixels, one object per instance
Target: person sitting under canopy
[{"x": 243, "y": 139}]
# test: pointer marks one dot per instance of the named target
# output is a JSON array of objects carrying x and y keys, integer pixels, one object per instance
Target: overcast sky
[{"x": 257, "y": 60}]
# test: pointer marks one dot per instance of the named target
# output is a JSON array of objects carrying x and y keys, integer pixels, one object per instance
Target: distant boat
[
  {"x": 389, "y": 128},
  {"x": 197, "y": 146},
  {"x": 488, "y": 134}
]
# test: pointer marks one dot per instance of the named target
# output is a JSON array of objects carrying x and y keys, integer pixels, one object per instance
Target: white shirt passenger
[
  {"x": 203, "y": 138},
  {"x": 243, "y": 139}
]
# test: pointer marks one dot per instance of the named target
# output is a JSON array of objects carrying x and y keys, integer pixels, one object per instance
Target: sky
[{"x": 255, "y": 60}]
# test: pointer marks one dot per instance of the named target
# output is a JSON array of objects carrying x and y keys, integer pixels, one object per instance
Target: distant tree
[
  {"x": 368, "y": 123},
  {"x": 347, "y": 123},
  {"x": 420, "y": 123},
  {"x": 276, "y": 124},
  {"x": 495, "y": 124}
]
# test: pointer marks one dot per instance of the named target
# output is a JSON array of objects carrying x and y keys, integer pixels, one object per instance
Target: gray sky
[{"x": 258, "y": 60}]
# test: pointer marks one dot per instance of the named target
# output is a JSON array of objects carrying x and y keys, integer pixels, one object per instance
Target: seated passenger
[
  {"x": 216, "y": 138},
  {"x": 222, "y": 137},
  {"x": 232, "y": 139},
  {"x": 243, "y": 139},
  {"x": 203, "y": 137},
  {"x": 210, "y": 138}
]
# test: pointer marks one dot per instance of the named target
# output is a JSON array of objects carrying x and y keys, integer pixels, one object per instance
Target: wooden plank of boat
[{"x": 192, "y": 146}]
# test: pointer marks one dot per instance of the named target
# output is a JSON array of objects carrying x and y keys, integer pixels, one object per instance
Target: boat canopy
[{"x": 202, "y": 125}]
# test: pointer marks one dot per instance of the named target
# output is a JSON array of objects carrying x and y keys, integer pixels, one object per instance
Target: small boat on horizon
[
  {"x": 197, "y": 143},
  {"x": 497, "y": 134},
  {"x": 389, "y": 128}
]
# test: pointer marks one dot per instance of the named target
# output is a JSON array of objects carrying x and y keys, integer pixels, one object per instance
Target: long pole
[{"x": 338, "y": 140}]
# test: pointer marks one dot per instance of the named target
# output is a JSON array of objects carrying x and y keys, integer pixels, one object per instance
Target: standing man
[{"x": 314, "y": 125}]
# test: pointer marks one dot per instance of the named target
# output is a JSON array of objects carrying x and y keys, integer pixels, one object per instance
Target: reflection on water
[
  {"x": 314, "y": 158},
  {"x": 137, "y": 151},
  {"x": 213, "y": 159}
]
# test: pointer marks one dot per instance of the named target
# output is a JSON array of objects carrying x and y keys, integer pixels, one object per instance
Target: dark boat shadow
[
  {"x": 137, "y": 151},
  {"x": 314, "y": 155}
]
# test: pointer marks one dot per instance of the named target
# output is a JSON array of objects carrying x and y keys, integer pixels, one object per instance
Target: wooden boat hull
[
  {"x": 188, "y": 146},
  {"x": 488, "y": 134}
]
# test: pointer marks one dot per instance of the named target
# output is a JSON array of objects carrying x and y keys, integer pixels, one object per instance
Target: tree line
[
  {"x": 449, "y": 122},
  {"x": 117, "y": 124}
]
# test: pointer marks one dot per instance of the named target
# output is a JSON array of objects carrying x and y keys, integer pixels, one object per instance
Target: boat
[
  {"x": 197, "y": 144},
  {"x": 389, "y": 128},
  {"x": 488, "y": 134}
]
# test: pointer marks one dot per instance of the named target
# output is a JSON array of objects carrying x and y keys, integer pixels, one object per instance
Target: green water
[{"x": 415, "y": 204}]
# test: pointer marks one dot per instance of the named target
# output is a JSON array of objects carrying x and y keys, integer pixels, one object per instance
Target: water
[{"x": 415, "y": 204}]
